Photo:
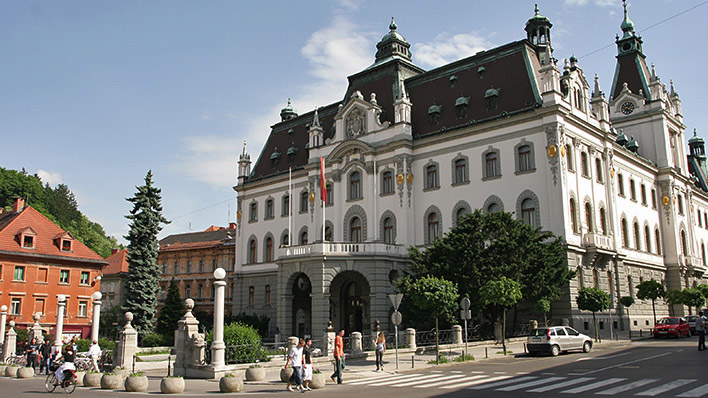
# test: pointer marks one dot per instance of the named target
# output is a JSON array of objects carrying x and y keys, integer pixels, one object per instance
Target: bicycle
[{"x": 69, "y": 383}]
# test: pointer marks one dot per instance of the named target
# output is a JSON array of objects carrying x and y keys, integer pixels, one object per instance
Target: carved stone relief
[{"x": 355, "y": 123}]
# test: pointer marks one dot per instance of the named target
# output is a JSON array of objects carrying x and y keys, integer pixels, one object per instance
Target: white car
[{"x": 556, "y": 339}]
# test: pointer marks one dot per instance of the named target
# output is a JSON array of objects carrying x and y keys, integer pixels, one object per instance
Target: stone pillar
[
  {"x": 329, "y": 337},
  {"x": 410, "y": 338},
  {"x": 356, "y": 342},
  {"x": 3, "y": 319},
  {"x": 457, "y": 334},
  {"x": 96, "y": 320},
  {"x": 127, "y": 344},
  {"x": 292, "y": 342},
  {"x": 375, "y": 330},
  {"x": 36, "y": 329},
  {"x": 10, "y": 346},
  {"x": 218, "y": 348},
  {"x": 189, "y": 343},
  {"x": 59, "y": 329}
]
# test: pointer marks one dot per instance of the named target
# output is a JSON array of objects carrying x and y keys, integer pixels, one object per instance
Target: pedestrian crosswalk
[{"x": 539, "y": 383}]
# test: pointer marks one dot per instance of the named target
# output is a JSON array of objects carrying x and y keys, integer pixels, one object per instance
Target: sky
[{"x": 95, "y": 93}]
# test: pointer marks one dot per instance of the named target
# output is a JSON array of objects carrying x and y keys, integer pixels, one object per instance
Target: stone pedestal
[
  {"x": 127, "y": 344},
  {"x": 190, "y": 346},
  {"x": 292, "y": 342},
  {"x": 356, "y": 343},
  {"x": 329, "y": 339},
  {"x": 410, "y": 338},
  {"x": 457, "y": 334},
  {"x": 96, "y": 320},
  {"x": 10, "y": 345},
  {"x": 36, "y": 329}
]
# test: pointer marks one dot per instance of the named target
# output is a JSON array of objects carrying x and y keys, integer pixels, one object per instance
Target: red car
[{"x": 673, "y": 326}]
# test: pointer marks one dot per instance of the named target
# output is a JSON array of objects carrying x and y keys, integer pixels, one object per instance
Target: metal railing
[
  {"x": 260, "y": 352},
  {"x": 429, "y": 337}
]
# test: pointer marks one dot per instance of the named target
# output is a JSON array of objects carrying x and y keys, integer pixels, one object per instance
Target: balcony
[
  {"x": 343, "y": 249},
  {"x": 595, "y": 241},
  {"x": 694, "y": 264}
]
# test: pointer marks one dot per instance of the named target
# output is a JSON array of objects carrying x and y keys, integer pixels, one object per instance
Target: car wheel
[
  {"x": 555, "y": 350},
  {"x": 587, "y": 346}
]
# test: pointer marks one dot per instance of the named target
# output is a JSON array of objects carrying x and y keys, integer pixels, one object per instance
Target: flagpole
[{"x": 290, "y": 206}]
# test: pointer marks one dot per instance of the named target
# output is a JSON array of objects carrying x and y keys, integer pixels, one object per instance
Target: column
[
  {"x": 96, "y": 315},
  {"x": 61, "y": 305},
  {"x": 3, "y": 319},
  {"x": 36, "y": 329},
  {"x": 218, "y": 347},
  {"x": 10, "y": 346}
]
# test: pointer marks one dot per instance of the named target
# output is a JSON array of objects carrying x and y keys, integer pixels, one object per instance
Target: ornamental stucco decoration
[
  {"x": 552, "y": 140},
  {"x": 399, "y": 171},
  {"x": 355, "y": 123}
]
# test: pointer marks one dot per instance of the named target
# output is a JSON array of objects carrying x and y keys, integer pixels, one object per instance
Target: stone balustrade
[{"x": 342, "y": 249}]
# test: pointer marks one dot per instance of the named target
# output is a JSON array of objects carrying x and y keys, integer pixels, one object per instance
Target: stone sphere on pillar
[
  {"x": 61, "y": 298},
  {"x": 219, "y": 273},
  {"x": 3, "y": 308},
  {"x": 129, "y": 316},
  {"x": 36, "y": 316},
  {"x": 97, "y": 295},
  {"x": 189, "y": 303},
  {"x": 12, "y": 324}
]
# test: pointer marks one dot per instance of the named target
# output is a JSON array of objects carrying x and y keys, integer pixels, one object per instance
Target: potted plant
[
  {"x": 92, "y": 379},
  {"x": 172, "y": 385},
  {"x": 136, "y": 382},
  {"x": 122, "y": 371},
  {"x": 318, "y": 379},
  {"x": 255, "y": 373},
  {"x": 230, "y": 383},
  {"x": 25, "y": 373},
  {"x": 111, "y": 381},
  {"x": 80, "y": 377},
  {"x": 11, "y": 370}
]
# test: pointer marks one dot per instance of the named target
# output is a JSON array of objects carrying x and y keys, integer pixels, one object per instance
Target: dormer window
[
  {"x": 292, "y": 151},
  {"x": 492, "y": 97},
  {"x": 28, "y": 242},
  {"x": 434, "y": 113},
  {"x": 481, "y": 71},
  {"x": 26, "y": 238},
  {"x": 66, "y": 245},
  {"x": 64, "y": 241},
  {"x": 461, "y": 105},
  {"x": 275, "y": 158}
]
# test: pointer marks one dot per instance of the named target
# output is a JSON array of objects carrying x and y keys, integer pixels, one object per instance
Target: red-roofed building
[
  {"x": 115, "y": 277},
  {"x": 38, "y": 262},
  {"x": 191, "y": 259}
]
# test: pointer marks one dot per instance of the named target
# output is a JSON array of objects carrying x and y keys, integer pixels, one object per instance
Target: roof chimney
[
  {"x": 232, "y": 225},
  {"x": 114, "y": 251},
  {"x": 19, "y": 204}
]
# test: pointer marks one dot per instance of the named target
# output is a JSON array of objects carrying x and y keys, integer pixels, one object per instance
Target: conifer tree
[
  {"x": 144, "y": 274},
  {"x": 171, "y": 313}
]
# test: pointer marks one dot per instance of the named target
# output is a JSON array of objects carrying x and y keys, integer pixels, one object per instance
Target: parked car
[
  {"x": 692, "y": 323},
  {"x": 557, "y": 339},
  {"x": 671, "y": 326}
]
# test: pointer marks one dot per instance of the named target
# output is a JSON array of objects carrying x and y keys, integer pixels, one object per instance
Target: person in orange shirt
[{"x": 338, "y": 357}]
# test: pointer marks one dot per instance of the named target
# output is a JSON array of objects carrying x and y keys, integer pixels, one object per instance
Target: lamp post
[
  {"x": 96, "y": 314},
  {"x": 218, "y": 346},
  {"x": 61, "y": 305}
]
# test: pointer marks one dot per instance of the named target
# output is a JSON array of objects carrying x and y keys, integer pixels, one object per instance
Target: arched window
[
  {"x": 569, "y": 157},
  {"x": 603, "y": 221},
  {"x": 491, "y": 162},
  {"x": 304, "y": 197},
  {"x": 699, "y": 218},
  {"x": 647, "y": 238},
  {"x": 328, "y": 233},
  {"x": 637, "y": 237},
  {"x": 269, "y": 209},
  {"x": 388, "y": 226},
  {"x": 657, "y": 239},
  {"x": 598, "y": 169},
  {"x": 433, "y": 227},
  {"x": 252, "y": 251},
  {"x": 643, "y": 193},
  {"x": 525, "y": 161},
  {"x": 303, "y": 237},
  {"x": 387, "y": 182},
  {"x": 285, "y": 239},
  {"x": 588, "y": 217},
  {"x": 355, "y": 185},
  {"x": 573, "y": 216},
  {"x": 653, "y": 198},
  {"x": 684, "y": 247},
  {"x": 268, "y": 249},
  {"x": 492, "y": 208},
  {"x": 584, "y": 169},
  {"x": 355, "y": 229},
  {"x": 251, "y": 296},
  {"x": 461, "y": 212},
  {"x": 625, "y": 238},
  {"x": 431, "y": 177},
  {"x": 528, "y": 212},
  {"x": 330, "y": 194},
  {"x": 703, "y": 253},
  {"x": 632, "y": 190}
]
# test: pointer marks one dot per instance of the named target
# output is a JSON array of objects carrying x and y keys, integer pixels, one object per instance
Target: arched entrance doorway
[
  {"x": 302, "y": 306},
  {"x": 349, "y": 302}
]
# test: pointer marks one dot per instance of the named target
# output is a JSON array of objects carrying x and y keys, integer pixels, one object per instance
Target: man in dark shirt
[
  {"x": 307, "y": 371},
  {"x": 32, "y": 354},
  {"x": 45, "y": 352}
]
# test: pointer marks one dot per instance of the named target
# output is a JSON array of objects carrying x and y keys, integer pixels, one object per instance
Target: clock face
[{"x": 627, "y": 108}]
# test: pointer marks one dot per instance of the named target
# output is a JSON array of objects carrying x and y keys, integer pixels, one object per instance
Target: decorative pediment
[
  {"x": 626, "y": 102},
  {"x": 358, "y": 117},
  {"x": 26, "y": 231},
  {"x": 27, "y": 237}
]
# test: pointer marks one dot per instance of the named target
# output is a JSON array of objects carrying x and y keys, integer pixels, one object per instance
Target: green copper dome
[
  {"x": 537, "y": 18},
  {"x": 695, "y": 139}
]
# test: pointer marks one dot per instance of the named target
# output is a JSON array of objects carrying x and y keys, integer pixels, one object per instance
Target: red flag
[{"x": 323, "y": 184}]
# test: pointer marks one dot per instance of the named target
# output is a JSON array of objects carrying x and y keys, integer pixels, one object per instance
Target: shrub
[
  {"x": 136, "y": 374},
  {"x": 106, "y": 344},
  {"x": 443, "y": 359},
  {"x": 243, "y": 344},
  {"x": 82, "y": 345},
  {"x": 463, "y": 358},
  {"x": 153, "y": 340}
]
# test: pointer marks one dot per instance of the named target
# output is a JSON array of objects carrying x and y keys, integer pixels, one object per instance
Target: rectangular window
[
  {"x": 303, "y": 202},
  {"x": 38, "y": 306},
  {"x": 201, "y": 265},
  {"x": 432, "y": 177},
  {"x": 1, "y": 274},
  {"x": 253, "y": 212},
  {"x": 653, "y": 199},
  {"x": 269, "y": 208},
  {"x": 19, "y": 273},
  {"x": 189, "y": 266},
  {"x": 85, "y": 275},
  {"x": 330, "y": 195},
  {"x": 213, "y": 264},
  {"x": 83, "y": 305},
  {"x": 66, "y": 245},
  {"x": 176, "y": 270},
  {"x": 64, "y": 276},
  {"x": 286, "y": 205},
  {"x": 643, "y": 193},
  {"x": 460, "y": 171},
  {"x": 28, "y": 242},
  {"x": 42, "y": 275},
  {"x": 164, "y": 268},
  {"x": 387, "y": 182},
  {"x": 16, "y": 306}
]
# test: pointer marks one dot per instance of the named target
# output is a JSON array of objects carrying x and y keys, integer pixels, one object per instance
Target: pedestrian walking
[
  {"x": 338, "y": 357},
  {"x": 32, "y": 349},
  {"x": 94, "y": 353},
  {"x": 701, "y": 329},
  {"x": 45, "y": 356},
  {"x": 295, "y": 357},
  {"x": 380, "y": 349},
  {"x": 307, "y": 367}
]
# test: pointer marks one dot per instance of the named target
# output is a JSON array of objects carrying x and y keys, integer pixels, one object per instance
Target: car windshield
[
  {"x": 539, "y": 332},
  {"x": 691, "y": 318},
  {"x": 668, "y": 321}
]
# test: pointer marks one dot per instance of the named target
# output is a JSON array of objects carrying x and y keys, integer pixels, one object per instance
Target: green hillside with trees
[{"x": 58, "y": 204}]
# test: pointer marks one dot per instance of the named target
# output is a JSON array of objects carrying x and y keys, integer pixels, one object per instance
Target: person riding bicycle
[{"x": 68, "y": 355}]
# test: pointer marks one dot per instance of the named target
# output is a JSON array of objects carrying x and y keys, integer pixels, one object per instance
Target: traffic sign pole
[
  {"x": 396, "y": 326},
  {"x": 465, "y": 315},
  {"x": 396, "y": 319}
]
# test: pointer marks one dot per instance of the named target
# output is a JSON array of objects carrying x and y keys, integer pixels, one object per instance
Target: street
[{"x": 664, "y": 368}]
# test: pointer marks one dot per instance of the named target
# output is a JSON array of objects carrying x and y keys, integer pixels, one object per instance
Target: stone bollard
[
  {"x": 292, "y": 342},
  {"x": 329, "y": 335},
  {"x": 457, "y": 334},
  {"x": 36, "y": 329},
  {"x": 410, "y": 338},
  {"x": 127, "y": 344},
  {"x": 356, "y": 342}
]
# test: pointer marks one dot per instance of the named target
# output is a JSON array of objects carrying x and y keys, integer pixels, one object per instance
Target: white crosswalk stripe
[
  {"x": 665, "y": 387},
  {"x": 378, "y": 378},
  {"x": 427, "y": 384},
  {"x": 564, "y": 384},
  {"x": 470, "y": 381},
  {"x": 502, "y": 383},
  {"x": 530, "y": 384},
  {"x": 627, "y": 387},
  {"x": 592, "y": 386},
  {"x": 696, "y": 392},
  {"x": 388, "y": 383},
  {"x": 392, "y": 379}
]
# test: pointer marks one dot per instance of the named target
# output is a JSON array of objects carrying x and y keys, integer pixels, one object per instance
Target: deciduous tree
[
  {"x": 651, "y": 290},
  {"x": 593, "y": 299},
  {"x": 501, "y": 294}
]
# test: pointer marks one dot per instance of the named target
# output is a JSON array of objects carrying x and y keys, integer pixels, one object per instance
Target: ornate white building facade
[{"x": 408, "y": 151}]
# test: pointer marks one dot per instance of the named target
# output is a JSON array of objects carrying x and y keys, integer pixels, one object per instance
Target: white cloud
[
  {"x": 50, "y": 177},
  {"x": 210, "y": 158},
  {"x": 601, "y": 3},
  {"x": 447, "y": 48}
]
